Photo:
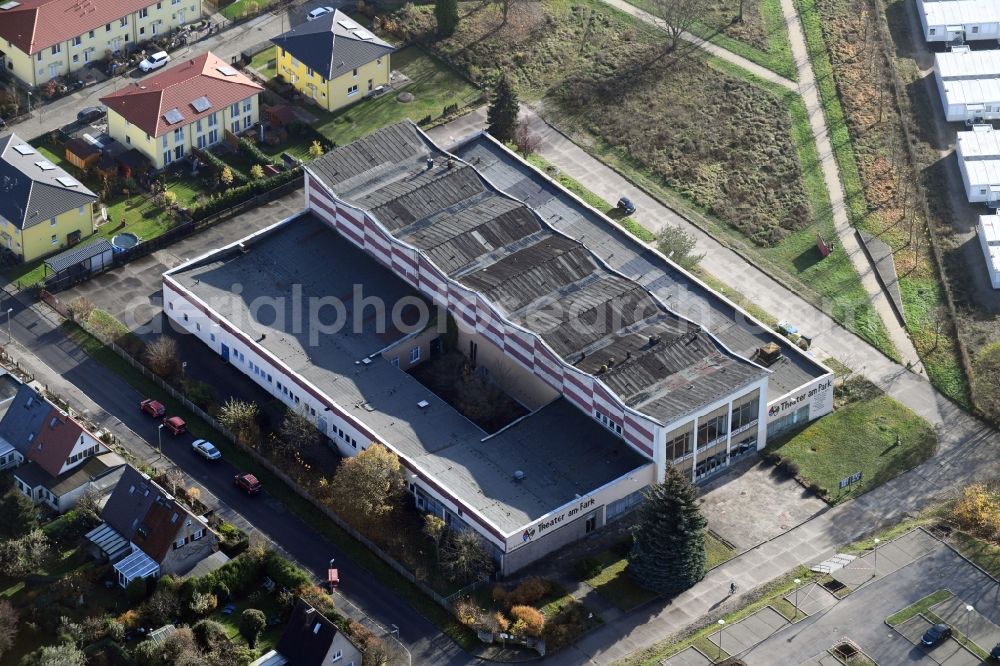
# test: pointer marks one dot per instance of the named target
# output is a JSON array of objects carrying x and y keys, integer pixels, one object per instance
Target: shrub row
[
  {"x": 241, "y": 574},
  {"x": 237, "y": 195},
  {"x": 218, "y": 165},
  {"x": 250, "y": 149}
]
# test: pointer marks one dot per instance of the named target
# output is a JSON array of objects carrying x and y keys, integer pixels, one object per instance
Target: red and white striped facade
[{"x": 470, "y": 308}]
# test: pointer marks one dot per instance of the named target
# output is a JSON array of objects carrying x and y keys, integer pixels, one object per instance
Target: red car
[
  {"x": 153, "y": 408},
  {"x": 175, "y": 425},
  {"x": 248, "y": 483}
]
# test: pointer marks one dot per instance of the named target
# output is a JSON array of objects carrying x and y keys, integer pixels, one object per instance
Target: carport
[{"x": 80, "y": 262}]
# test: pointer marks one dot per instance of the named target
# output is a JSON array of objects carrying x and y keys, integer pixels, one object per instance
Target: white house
[
  {"x": 989, "y": 239},
  {"x": 978, "y": 153},
  {"x": 957, "y": 21},
  {"x": 969, "y": 84}
]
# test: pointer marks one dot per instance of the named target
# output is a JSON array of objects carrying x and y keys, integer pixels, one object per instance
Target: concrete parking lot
[{"x": 860, "y": 616}]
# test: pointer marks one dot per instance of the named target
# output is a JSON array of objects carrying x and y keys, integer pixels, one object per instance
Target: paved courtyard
[
  {"x": 890, "y": 557},
  {"x": 973, "y": 624},
  {"x": 688, "y": 657},
  {"x": 946, "y": 653},
  {"x": 811, "y": 599},
  {"x": 749, "y": 631}
]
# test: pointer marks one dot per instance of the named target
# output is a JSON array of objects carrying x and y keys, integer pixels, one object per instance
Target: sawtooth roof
[
  {"x": 147, "y": 103},
  {"x": 32, "y": 189},
  {"x": 332, "y": 45},
  {"x": 34, "y": 25},
  {"x": 597, "y": 320}
]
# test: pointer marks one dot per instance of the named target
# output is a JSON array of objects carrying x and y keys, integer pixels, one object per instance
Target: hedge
[
  {"x": 250, "y": 149},
  {"x": 245, "y": 572},
  {"x": 218, "y": 165},
  {"x": 237, "y": 195}
]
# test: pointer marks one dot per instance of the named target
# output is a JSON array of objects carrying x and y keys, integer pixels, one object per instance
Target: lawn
[
  {"x": 761, "y": 37},
  {"x": 263, "y": 602},
  {"x": 918, "y": 607},
  {"x": 859, "y": 437},
  {"x": 278, "y": 490},
  {"x": 980, "y": 551},
  {"x": 241, "y": 8},
  {"x": 617, "y": 587},
  {"x": 264, "y": 63},
  {"x": 433, "y": 86}
]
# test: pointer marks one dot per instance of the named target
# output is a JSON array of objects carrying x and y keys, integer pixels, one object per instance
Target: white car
[
  {"x": 154, "y": 61},
  {"x": 319, "y": 11},
  {"x": 206, "y": 449}
]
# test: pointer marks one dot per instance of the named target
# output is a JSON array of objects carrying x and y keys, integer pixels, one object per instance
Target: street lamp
[
  {"x": 797, "y": 582},
  {"x": 968, "y": 620},
  {"x": 159, "y": 439},
  {"x": 722, "y": 625},
  {"x": 332, "y": 560},
  {"x": 9, "y": 337},
  {"x": 394, "y": 632},
  {"x": 875, "y": 563}
]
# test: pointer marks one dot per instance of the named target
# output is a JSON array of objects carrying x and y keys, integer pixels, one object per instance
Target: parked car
[
  {"x": 153, "y": 408},
  {"x": 90, "y": 113},
  {"x": 626, "y": 206},
  {"x": 995, "y": 652},
  {"x": 175, "y": 425},
  {"x": 154, "y": 61},
  {"x": 936, "y": 634},
  {"x": 248, "y": 483},
  {"x": 319, "y": 11},
  {"x": 206, "y": 449}
]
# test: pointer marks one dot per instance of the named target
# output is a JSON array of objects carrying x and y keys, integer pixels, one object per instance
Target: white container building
[
  {"x": 978, "y": 153},
  {"x": 957, "y": 21},
  {"x": 969, "y": 84},
  {"x": 989, "y": 239}
]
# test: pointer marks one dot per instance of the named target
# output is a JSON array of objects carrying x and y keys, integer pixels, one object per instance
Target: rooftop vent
[
  {"x": 9, "y": 5},
  {"x": 366, "y": 361},
  {"x": 769, "y": 353},
  {"x": 520, "y": 476},
  {"x": 430, "y": 162},
  {"x": 654, "y": 340},
  {"x": 423, "y": 404}
]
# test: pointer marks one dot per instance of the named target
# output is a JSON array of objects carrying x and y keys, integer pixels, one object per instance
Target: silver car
[{"x": 206, "y": 449}]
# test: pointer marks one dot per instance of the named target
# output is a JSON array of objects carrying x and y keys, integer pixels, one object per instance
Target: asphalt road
[{"x": 302, "y": 542}]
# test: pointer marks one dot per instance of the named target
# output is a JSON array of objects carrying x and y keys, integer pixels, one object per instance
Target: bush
[
  {"x": 217, "y": 166},
  {"x": 528, "y": 621},
  {"x": 239, "y": 575},
  {"x": 588, "y": 568},
  {"x": 210, "y": 634},
  {"x": 529, "y": 592},
  {"x": 202, "y": 603},
  {"x": 237, "y": 195},
  {"x": 136, "y": 591},
  {"x": 252, "y": 622},
  {"x": 500, "y": 596},
  {"x": 250, "y": 149},
  {"x": 284, "y": 573}
]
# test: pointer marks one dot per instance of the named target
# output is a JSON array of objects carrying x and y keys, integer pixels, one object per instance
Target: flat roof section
[
  {"x": 961, "y": 12},
  {"x": 595, "y": 319},
  {"x": 964, "y": 63},
  {"x": 972, "y": 91},
  {"x": 624, "y": 253},
  {"x": 562, "y": 451},
  {"x": 979, "y": 153}
]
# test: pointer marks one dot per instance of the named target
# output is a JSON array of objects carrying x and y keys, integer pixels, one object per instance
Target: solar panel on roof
[
  {"x": 363, "y": 34},
  {"x": 24, "y": 149},
  {"x": 201, "y": 104},
  {"x": 45, "y": 165},
  {"x": 66, "y": 181},
  {"x": 173, "y": 116},
  {"x": 226, "y": 70}
]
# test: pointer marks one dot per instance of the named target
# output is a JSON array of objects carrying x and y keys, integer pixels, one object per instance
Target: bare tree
[
  {"x": 526, "y": 141},
  {"x": 298, "y": 431},
  {"x": 464, "y": 558},
  {"x": 240, "y": 417},
  {"x": 8, "y": 625},
  {"x": 162, "y": 356},
  {"x": 678, "y": 17}
]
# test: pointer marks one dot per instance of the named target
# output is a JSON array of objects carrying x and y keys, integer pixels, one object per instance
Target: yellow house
[
  {"x": 43, "y": 209},
  {"x": 332, "y": 60},
  {"x": 43, "y": 39},
  {"x": 188, "y": 106}
]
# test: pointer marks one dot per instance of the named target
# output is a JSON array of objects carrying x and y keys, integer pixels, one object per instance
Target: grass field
[
  {"x": 761, "y": 37},
  {"x": 860, "y": 437},
  {"x": 865, "y": 131},
  {"x": 980, "y": 551},
  {"x": 264, "y": 63},
  {"x": 241, "y": 8},
  {"x": 433, "y": 87}
]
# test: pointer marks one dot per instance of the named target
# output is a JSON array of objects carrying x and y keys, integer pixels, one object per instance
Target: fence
[
  {"x": 57, "y": 283},
  {"x": 291, "y": 483}
]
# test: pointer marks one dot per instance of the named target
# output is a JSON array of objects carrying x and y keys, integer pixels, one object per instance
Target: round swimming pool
[{"x": 125, "y": 241}]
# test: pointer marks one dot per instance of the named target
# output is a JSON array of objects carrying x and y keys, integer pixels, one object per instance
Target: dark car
[
  {"x": 995, "y": 652},
  {"x": 89, "y": 113},
  {"x": 248, "y": 483},
  {"x": 936, "y": 634},
  {"x": 175, "y": 425},
  {"x": 626, "y": 206}
]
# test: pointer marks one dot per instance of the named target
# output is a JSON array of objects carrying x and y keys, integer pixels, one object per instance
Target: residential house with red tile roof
[
  {"x": 43, "y": 39},
  {"x": 147, "y": 533},
  {"x": 57, "y": 458},
  {"x": 190, "y": 105}
]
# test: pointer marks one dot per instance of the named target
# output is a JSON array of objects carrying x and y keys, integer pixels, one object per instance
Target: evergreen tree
[
  {"x": 502, "y": 115},
  {"x": 668, "y": 552},
  {"x": 446, "y": 13}
]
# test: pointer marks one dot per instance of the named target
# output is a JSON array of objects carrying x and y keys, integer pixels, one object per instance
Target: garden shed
[{"x": 81, "y": 153}]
